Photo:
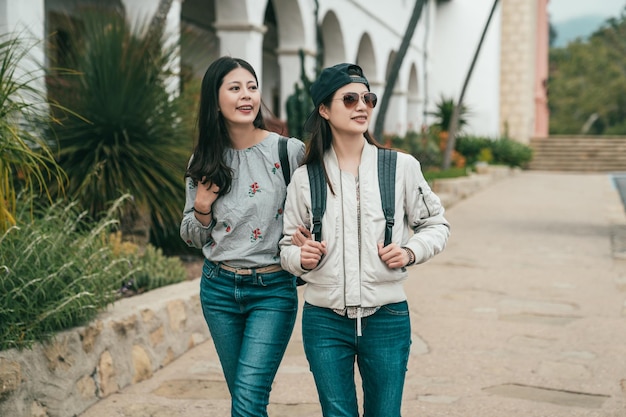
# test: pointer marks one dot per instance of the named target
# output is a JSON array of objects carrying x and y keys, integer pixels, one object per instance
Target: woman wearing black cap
[
  {"x": 235, "y": 191},
  {"x": 355, "y": 305}
]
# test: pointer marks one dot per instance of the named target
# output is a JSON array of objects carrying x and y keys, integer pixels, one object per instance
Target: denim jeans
[
  {"x": 331, "y": 345},
  {"x": 250, "y": 318}
]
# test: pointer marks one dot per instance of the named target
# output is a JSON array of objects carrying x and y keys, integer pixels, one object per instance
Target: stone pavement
[{"x": 523, "y": 314}]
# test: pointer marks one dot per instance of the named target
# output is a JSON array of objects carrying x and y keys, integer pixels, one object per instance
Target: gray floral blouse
[{"x": 248, "y": 221}]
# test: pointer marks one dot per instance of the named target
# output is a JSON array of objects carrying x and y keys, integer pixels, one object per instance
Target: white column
[
  {"x": 242, "y": 40},
  {"x": 140, "y": 10},
  {"x": 289, "y": 62},
  {"x": 26, "y": 20},
  {"x": 395, "y": 120},
  {"x": 414, "y": 114},
  {"x": 26, "y": 17}
]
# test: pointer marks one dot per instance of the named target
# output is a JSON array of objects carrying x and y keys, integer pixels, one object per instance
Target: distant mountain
[{"x": 580, "y": 27}]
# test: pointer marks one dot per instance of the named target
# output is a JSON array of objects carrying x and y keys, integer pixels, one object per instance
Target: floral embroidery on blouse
[
  {"x": 279, "y": 213},
  {"x": 276, "y": 167},
  {"x": 256, "y": 235},
  {"x": 254, "y": 188},
  {"x": 226, "y": 227}
]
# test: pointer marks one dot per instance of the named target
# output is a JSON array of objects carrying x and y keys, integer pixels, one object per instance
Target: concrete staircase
[{"x": 579, "y": 153}]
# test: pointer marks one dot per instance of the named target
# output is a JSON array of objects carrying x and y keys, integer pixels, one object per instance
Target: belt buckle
[{"x": 243, "y": 271}]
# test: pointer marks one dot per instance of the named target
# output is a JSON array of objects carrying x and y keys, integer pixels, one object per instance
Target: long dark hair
[
  {"x": 321, "y": 138},
  {"x": 213, "y": 136}
]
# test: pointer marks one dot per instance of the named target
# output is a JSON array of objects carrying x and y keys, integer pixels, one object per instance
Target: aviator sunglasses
[{"x": 351, "y": 99}]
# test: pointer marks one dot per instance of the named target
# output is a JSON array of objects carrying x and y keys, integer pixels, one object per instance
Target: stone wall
[
  {"x": 453, "y": 190},
  {"x": 123, "y": 346},
  {"x": 134, "y": 338}
]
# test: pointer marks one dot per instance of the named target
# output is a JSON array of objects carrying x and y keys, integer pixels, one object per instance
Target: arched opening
[
  {"x": 413, "y": 115},
  {"x": 332, "y": 39},
  {"x": 199, "y": 41}
]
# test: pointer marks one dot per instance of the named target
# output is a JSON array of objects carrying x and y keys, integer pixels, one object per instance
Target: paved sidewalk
[{"x": 523, "y": 315}]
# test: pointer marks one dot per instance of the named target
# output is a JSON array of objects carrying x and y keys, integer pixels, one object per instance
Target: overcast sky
[{"x": 561, "y": 10}]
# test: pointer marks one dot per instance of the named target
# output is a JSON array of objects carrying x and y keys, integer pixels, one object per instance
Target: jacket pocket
[{"x": 429, "y": 203}]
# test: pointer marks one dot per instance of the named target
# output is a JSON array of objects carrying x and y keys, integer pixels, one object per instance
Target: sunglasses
[{"x": 351, "y": 99}]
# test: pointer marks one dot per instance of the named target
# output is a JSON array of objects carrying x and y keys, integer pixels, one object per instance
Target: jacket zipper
[{"x": 424, "y": 199}]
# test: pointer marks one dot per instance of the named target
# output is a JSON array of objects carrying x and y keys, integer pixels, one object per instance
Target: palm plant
[
  {"x": 26, "y": 162},
  {"x": 128, "y": 139},
  {"x": 443, "y": 114}
]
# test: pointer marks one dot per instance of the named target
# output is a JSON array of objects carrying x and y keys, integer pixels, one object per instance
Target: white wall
[
  {"x": 459, "y": 26},
  {"x": 26, "y": 18}
]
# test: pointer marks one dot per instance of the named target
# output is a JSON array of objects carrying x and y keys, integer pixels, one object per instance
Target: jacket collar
[{"x": 332, "y": 163}]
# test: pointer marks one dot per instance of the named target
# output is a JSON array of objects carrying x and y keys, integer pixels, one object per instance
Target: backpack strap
[
  {"x": 317, "y": 182},
  {"x": 387, "y": 185},
  {"x": 284, "y": 159}
]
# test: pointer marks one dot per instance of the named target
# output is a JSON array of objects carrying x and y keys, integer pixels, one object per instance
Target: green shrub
[
  {"x": 55, "y": 274},
  {"x": 58, "y": 270},
  {"x": 502, "y": 151},
  {"x": 152, "y": 270},
  {"x": 424, "y": 147},
  {"x": 511, "y": 153},
  {"x": 485, "y": 155},
  {"x": 471, "y": 147}
]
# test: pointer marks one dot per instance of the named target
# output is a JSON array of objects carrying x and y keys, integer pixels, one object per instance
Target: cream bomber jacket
[{"x": 352, "y": 274}]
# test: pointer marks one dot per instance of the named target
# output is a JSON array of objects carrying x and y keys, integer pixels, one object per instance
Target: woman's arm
[
  {"x": 425, "y": 214},
  {"x": 195, "y": 228}
]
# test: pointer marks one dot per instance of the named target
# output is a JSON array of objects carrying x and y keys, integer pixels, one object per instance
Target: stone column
[
  {"x": 517, "y": 70},
  {"x": 542, "y": 116}
]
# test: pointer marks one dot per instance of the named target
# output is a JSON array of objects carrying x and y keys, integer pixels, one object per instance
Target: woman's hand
[
  {"x": 301, "y": 235},
  {"x": 393, "y": 255},
  {"x": 206, "y": 194},
  {"x": 311, "y": 253}
]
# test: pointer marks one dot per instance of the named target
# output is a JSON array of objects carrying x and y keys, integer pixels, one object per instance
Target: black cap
[{"x": 332, "y": 79}]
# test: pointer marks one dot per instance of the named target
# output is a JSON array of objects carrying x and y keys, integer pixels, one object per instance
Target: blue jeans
[
  {"x": 331, "y": 345},
  {"x": 251, "y": 318}
]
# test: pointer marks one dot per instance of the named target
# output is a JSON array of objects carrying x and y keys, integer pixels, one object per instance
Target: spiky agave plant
[{"x": 128, "y": 140}]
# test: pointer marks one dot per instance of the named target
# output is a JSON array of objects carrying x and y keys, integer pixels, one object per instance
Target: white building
[{"x": 270, "y": 33}]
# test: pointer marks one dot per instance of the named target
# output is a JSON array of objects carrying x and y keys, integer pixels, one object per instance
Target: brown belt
[{"x": 250, "y": 271}]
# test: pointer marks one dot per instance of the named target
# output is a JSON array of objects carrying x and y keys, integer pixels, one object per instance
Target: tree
[
  {"x": 587, "y": 83},
  {"x": 454, "y": 123},
  {"x": 395, "y": 69},
  {"x": 553, "y": 34},
  {"x": 157, "y": 24}
]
